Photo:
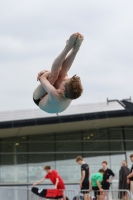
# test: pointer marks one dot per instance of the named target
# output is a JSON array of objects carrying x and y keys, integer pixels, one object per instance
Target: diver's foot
[
  {"x": 79, "y": 41},
  {"x": 72, "y": 40}
]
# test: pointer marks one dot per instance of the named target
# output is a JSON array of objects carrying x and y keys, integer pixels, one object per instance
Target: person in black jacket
[
  {"x": 123, "y": 185},
  {"x": 106, "y": 179},
  {"x": 130, "y": 176}
]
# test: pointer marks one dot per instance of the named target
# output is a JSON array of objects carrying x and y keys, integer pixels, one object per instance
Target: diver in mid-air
[{"x": 56, "y": 91}]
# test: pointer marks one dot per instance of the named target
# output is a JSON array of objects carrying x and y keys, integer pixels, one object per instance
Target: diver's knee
[{"x": 62, "y": 77}]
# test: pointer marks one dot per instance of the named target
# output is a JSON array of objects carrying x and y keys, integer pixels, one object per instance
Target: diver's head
[{"x": 71, "y": 88}]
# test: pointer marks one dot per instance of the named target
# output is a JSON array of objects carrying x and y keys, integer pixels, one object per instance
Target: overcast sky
[{"x": 33, "y": 32}]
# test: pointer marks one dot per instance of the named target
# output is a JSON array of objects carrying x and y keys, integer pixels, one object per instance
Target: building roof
[
  {"x": 71, "y": 110},
  {"x": 76, "y": 117},
  {"x": 107, "y": 108}
]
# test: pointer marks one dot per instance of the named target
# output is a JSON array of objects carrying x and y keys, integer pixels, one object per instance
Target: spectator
[
  {"x": 84, "y": 183},
  {"x": 106, "y": 179},
  {"x": 130, "y": 176},
  {"x": 96, "y": 181},
  {"x": 123, "y": 185},
  {"x": 55, "y": 179}
]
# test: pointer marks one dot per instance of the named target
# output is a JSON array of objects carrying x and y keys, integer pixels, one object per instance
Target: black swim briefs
[{"x": 36, "y": 101}]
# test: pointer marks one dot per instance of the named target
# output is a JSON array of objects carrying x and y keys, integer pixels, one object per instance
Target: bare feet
[
  {"x": 72, "y": 40},
  {"x": 79, "y": 41}
]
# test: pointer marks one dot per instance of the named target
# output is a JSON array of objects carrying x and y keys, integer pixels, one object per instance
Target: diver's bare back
[{"x": 54, "y": 104}]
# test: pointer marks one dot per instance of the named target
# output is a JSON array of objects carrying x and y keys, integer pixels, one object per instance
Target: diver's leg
[
  {"x": 70, "y": 58},
  {"x": 67, "y": 63},
  {"x": 39, "y": 92},
  {"x": 57, "y": 64}
]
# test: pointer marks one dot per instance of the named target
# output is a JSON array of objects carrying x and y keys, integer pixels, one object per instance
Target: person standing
[
  {"x": 130, "y": 176},
  {"x": 96, "y": 180},
  {"x": 106, "y": 179},
  {"x": 123, "y": 185},
  {"x": 84, "y": 182}
]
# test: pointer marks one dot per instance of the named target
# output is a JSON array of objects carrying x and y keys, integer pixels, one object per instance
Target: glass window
[
  {"x": 13, "y": 168},
  {"x": 128, "y": 153},
  {"x": 115, "y": 134},
  {"x": 42, "y": 137},
  {"x": 14, "y": 193},
  {"x": 23, "y": 159},
  {"x": 129, "y": 145},
  {"x": 99, "y": 134},
  {"x": 96, "y": 146},
  {"x": 18, "y": 144},
  {"x": 68, "y": 142},
  {"x": 117, "y": 146},
  {"x": 94, "y": 160},
  {"x": 96, "y": 140},
  {"x": 128, "y": 133},
  {"x": 36, "y": 165},
  {"x": 67, "y": 167},
  {"x": 115, "y": 162},
  {"x": 117, "y": 158},
  {"x": 69, "y": 136},
  {"x": 15, "y": 146},
  {"x": 41, "y": 146},
  {"x": 116, "y": 139},
  {"x": 68, "y": 146},
  {"x": 41, "y": 143}
]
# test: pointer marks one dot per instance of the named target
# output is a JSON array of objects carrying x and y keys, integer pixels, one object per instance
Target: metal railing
[
  {"x": 24, "y": 193},
  {"x": 112, "y": 194},
  {"x": 15, "y": 193},
  {"x": 21, "y": 193},
  {"x": 70, "y": 194}
]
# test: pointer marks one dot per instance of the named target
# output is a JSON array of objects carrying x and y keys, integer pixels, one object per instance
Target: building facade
[{"x": 32, "y": 139}]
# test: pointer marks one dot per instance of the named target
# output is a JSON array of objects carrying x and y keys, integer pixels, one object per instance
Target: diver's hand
[{"x": 45, "y": 73}]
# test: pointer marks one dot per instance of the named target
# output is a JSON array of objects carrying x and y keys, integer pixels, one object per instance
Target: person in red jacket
[{"x": 55, "y": 179}]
